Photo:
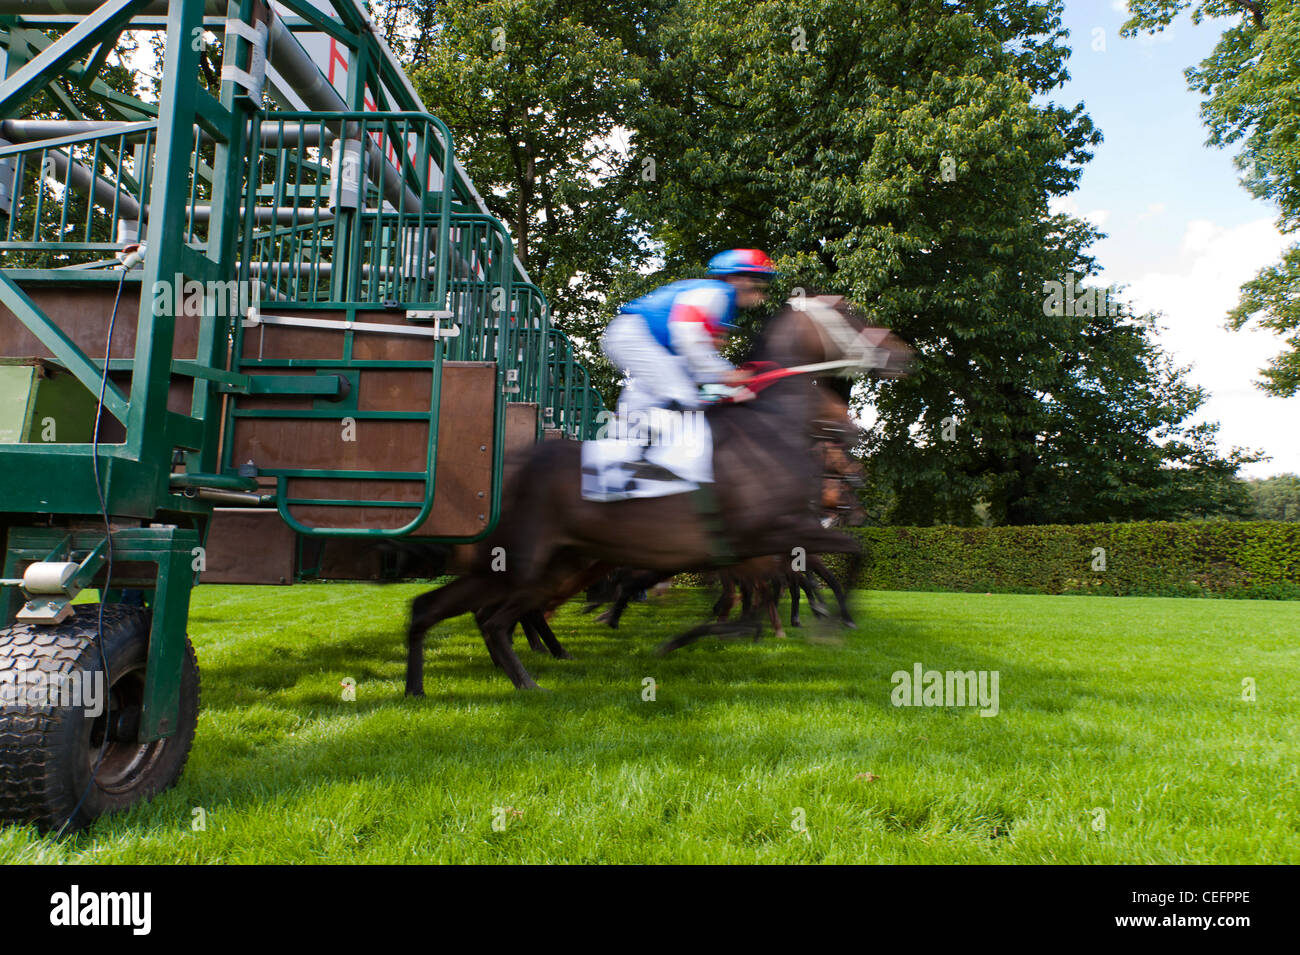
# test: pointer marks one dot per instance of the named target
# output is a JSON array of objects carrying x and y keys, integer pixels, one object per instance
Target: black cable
[{"x": 108, "y": 572}]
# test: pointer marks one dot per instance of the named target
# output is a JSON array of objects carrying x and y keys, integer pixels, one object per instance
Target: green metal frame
[{"x": 216, "y": 201}]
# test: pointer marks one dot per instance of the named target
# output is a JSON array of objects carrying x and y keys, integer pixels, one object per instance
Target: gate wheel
[{"x": 47, "y": 751}]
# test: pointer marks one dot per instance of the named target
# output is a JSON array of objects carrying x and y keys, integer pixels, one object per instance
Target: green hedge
[{"x": 1220, "y": 558}]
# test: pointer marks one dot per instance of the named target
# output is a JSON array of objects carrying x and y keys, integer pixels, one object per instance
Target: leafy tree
[
  {"x": 1276, "y": 498},
  {"x": 1251, "y": 82},
  {"x": 1119, "y": 442}
]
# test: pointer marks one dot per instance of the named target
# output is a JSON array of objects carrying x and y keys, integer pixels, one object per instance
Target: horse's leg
[
  {"x": 496, "y": 635},
  {"x": 754, "y": 598},
  {"x": 792, "y": 581},
  {"x": 629, "y": 587},
  {"x": 746, "y": 600},
  {"x": 726, "y": 601},
  {"x": 543, "y": 630},
  {"x": 819, "y": 567},
  {"x": 529, "y": 622},
  {"x": 815, "y": 602},
  {"x": 460, "y": 596},
  {"x": 615, "y": 613},
  {"x": 480, "y": 619},
  {"x": 773, "y": 607},
  {"x": 722, "y": 629}
]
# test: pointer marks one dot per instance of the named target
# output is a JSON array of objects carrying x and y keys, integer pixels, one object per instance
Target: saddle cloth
[{"x": 616, "y": 469}]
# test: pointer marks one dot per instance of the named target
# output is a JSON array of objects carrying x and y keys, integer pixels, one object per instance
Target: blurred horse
[{"x": 759, "y": 504}]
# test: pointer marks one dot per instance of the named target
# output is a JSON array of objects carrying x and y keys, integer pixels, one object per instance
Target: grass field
[{"x": 1121, "y": 736}]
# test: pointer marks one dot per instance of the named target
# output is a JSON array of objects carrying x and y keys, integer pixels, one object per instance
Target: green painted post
[
  {"x": 171, "y": 610},
  {"x": 167, "y": 255}
]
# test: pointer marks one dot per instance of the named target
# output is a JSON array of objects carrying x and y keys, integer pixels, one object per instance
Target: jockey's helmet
[{"x": 742, "y": 262}]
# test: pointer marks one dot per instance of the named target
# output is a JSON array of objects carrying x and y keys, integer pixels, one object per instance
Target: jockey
[{"x": 667, "y": 342}]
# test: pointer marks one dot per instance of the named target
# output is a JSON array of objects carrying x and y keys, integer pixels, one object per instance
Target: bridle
[{"x": 836, "y": 335}]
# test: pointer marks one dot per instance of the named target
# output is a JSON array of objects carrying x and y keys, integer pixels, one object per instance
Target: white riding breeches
[{"x": 656, "y": 377}]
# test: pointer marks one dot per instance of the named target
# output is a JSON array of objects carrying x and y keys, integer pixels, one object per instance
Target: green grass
[{"x": 1130, "y": 705}]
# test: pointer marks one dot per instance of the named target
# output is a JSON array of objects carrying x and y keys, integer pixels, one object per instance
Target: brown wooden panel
[
  {"x": 287, "y": 341},
  {"x": 249, "y": 546},
  {"x": 318, "y": 443},
  {"x": 396, "y": 389},
  {"x": 462, "y": 500},
  {"x": 465, "y": 442},
  {"x": 83, "y": 312},
  {"x": 521, "y": 434},
  {"x": 386, "y": 518},
  {"x": 521, "y": 425}
]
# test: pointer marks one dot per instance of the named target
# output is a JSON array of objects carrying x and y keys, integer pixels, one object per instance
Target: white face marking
[{"x": 836, "y": 331}]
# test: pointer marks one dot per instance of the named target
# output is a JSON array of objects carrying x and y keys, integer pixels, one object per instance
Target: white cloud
[
  {"x": 1070, "y": 206},
  {"x": 1195, "y": 297}
]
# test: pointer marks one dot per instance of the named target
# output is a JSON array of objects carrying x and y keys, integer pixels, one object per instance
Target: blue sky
[{"x": 1182, "y": 233}]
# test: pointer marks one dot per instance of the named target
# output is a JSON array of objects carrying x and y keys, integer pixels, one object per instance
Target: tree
[
  {"x": 1251, "y": 82},
  {"x": 1276, "y": 498},
  {"x": 1118, "y": 443}
]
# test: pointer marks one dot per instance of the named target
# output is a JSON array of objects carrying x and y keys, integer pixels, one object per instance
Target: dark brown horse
[{"x": 765, "y": 476}]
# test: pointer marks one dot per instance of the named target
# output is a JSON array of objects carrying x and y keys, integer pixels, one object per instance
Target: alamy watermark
[
  {"x": 36, "y": 689},
  {"x": 181, "y": 297},
  {"x": 655, "y": 426},
  {"x": 922, "y": 687},
  {"x": 77, "y": 908},
  {"x": 1063, "y": 299}
]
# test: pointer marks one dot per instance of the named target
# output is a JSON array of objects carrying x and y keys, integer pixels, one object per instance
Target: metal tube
[
  {"x": 105, "y": 190},
  {"x": 282, "y": 215},
  {"x": 230, "y": 497},
  {"x": 212, "y": 8},
  {"x": 35, "y": 130}
]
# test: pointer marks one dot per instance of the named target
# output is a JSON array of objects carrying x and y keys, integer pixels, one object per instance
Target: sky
[{"x": 1182, "y": 234}]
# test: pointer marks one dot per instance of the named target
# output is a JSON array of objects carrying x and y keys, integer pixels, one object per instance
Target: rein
[{"x": 775, "y": 373}]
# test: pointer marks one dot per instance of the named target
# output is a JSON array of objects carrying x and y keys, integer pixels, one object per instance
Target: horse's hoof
[
  {"x": 848, "y": 624},
  {"x": 415, "y": 695}
]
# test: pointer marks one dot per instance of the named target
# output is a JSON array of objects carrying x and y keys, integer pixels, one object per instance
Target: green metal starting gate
[{"x": 189, "y": 275}]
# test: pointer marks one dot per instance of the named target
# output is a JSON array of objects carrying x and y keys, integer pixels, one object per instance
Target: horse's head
[{"x": 820, "y": 329}]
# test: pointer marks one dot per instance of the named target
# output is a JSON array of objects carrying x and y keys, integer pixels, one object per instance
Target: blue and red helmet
[{"x": 742, "y": 262}]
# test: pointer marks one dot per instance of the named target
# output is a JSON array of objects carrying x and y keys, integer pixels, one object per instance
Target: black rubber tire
[{"x": 47, "y": 751}]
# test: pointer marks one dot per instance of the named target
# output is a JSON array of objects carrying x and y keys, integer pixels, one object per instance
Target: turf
[{"x": 1122, "y": 736}]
